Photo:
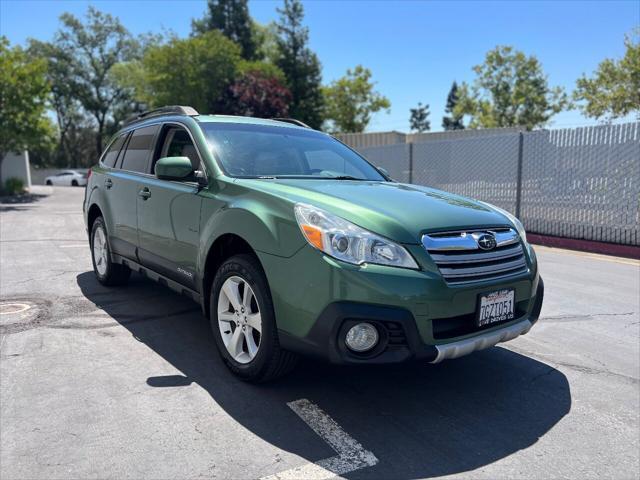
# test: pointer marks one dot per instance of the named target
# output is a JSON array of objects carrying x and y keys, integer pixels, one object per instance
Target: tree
[
  {"x": 23, "y": 101},
  {"x": 232, "y": 19},
  {"x": 88, "y": 52},
  {"x": 351, "y": 100},
  {"x": 195, "y": 71},
  {"x": 71, "y": 119},
  {"x": 300, "y": 65},
  {"x": 510, "y": 90},
  {"x": 256, "y": 94},
  {"x": 419, "y": 120},
  {"x": 614, "y": 89},
  {"x": 452, "y": 121},
  {"x": 266, "y": 37}
]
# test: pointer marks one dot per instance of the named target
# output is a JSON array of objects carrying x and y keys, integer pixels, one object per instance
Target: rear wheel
[
  {"x": 107, "y": 272},
  {"x": 49, "y": 182},
  {"x": 243, "y": 322},
  {"x": 74, "y": 183}
]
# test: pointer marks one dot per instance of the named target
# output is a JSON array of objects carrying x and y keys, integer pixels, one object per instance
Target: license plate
[{"x": 496, "y": 307}]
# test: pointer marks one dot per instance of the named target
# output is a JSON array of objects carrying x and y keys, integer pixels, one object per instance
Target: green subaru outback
[{"x": 293, "y": 243}]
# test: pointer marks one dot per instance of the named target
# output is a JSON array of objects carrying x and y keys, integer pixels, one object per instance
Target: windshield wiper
[{"x": 346, "y": 177}]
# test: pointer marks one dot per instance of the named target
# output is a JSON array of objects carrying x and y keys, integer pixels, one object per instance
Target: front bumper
[
  {"x": 422, "y": 316},
  {"x": 399, "y": 337}
]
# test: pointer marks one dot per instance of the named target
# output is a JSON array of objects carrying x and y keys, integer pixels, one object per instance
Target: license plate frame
[{"x": 492, "y": 309}]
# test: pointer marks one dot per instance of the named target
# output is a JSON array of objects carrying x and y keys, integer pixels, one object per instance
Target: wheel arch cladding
[
  {"x": 94, "y": 212},
  {"x": 224, "y": 247}
]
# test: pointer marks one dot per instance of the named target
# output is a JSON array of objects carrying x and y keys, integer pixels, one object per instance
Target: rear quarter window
[{"x": 111, "y": 155}]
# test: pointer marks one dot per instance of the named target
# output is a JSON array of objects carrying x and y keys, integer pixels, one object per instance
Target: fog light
[{"x": 362, "y": 337}]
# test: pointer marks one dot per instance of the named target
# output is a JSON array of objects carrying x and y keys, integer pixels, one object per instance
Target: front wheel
[
  {"x": 107, "y": 272},
  {"x": 49, "y": 182},
  {"x": 74, "y": 183},
  {"x": 243, "y": 322}
]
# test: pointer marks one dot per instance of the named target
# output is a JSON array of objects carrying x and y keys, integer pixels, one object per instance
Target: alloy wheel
[
  {"x": 239, "y": 319},
  {"x": 100, "y": 250}
]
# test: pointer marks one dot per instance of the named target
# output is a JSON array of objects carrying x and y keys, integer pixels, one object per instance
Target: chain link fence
[{"x": 579, "y": 183}]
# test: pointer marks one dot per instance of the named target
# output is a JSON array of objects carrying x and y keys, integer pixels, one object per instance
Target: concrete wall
[
  {"x": 17, "y": 166},
  {"x": 378, "y": 139}
]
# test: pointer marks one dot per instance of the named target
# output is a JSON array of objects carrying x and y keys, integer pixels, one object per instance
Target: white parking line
[{"x": 351, "y": 454}]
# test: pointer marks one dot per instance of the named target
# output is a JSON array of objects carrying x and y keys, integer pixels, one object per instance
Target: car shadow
[
  {"x": 19, "y": 202},
  {"x": 419, "y": 420}
]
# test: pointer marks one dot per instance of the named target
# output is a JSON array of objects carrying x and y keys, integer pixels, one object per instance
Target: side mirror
[
  {"x": 383, "y": 171},
  {"x": 174, "y": 168}
]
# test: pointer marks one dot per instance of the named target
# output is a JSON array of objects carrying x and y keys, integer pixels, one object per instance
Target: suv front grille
[{"x": 461, "y": 260}]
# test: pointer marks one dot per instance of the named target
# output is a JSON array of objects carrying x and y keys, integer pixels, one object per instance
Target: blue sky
[{"x": 415, "y": 49}]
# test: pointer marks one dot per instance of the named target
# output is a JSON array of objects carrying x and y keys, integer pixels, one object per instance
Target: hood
[{"x": 400, "y": 212}]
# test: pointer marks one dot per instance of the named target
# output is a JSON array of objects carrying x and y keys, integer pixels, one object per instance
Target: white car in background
[{"x": 69, "y": 178}]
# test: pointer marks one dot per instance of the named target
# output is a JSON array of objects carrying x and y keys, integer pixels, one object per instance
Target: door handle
[
  {"x": 144, "y": 193},
  {"x": 108, "y": 183}
]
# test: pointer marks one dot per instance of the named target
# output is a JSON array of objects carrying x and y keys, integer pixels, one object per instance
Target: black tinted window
[
  {"x": 257, "y": 150},
  {"x": 138, "y": 149},
  {"x": 110, "y": 157}
]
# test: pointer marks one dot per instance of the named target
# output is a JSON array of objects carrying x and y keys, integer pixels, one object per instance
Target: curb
[{"x": 627, "y": 251}]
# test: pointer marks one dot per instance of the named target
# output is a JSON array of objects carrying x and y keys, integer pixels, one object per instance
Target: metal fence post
[
  {"x": 410, "y": 162},
  {"x": 519, "y": 174}
]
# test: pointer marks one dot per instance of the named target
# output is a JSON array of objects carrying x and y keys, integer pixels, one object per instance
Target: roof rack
[
  {"x": 292, "y": 121},
  {"x": 169, "y": 109}
]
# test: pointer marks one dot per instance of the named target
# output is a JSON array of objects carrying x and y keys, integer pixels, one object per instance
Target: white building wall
[{"x": 17, "y": 166}]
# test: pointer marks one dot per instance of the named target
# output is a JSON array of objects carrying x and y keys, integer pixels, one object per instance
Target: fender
[
  {"x": 96, "y": 197},
  {"x": 267, "y": 229}
]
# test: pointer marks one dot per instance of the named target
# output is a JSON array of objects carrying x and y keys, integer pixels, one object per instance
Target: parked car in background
[
  {"x": 293, "y": 243},
  {"x": 68, "y": 178}
]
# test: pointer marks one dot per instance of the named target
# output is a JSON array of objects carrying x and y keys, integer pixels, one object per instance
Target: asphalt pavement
[{"x": 102, "y": 382}]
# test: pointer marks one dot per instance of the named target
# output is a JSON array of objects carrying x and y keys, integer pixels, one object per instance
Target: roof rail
[
  {"x": 169, "y": 109},
  {"x": 292, "y": 121}
]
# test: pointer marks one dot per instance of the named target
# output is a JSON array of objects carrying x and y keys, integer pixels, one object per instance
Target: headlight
[{"x": 348, "y": 242}]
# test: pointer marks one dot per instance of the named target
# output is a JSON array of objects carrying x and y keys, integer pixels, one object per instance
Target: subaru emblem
[{"x": 487, "y": 241}]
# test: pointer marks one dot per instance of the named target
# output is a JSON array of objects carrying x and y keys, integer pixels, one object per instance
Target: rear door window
[
  {"x": 136, "y": 157},
  {"x": 111, "y": 155}
]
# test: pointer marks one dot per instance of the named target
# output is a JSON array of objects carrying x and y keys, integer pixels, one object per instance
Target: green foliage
[
  {"x": 195, "y": 71},
  {"x": 84, "y": 55},
  {"x": 231, "y": 18},
  {"x": 13, "y": 186},
  {"x": 23, "y": 99},
  {"x": 614, "y": 89},
  {"x": 300, "y": 65},
  {"x": 72, "y": 150},
  {"x": 510, "y": 90},
  {"x": 43, "y": 152},
  {"x": 351, "y": 100},
  {"x": 419, "y": 119},
  {"x": 265, "y": 69},
  {"x": 266, "y": 37},
  {"x": 452, "y": 121}
]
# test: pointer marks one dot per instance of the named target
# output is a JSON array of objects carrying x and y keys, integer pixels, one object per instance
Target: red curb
[{"x": 627, "y": 251}]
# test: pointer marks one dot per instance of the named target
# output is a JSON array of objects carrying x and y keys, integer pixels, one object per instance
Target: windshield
[{"x": 270, "y": 151}]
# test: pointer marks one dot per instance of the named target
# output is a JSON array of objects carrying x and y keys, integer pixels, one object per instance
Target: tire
[
  {"x": 74, "y": 183},
  {"x": 270, "y": 361},
  {"x": 107, "y": 272},
  {"x": 49, "y": 182}
]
